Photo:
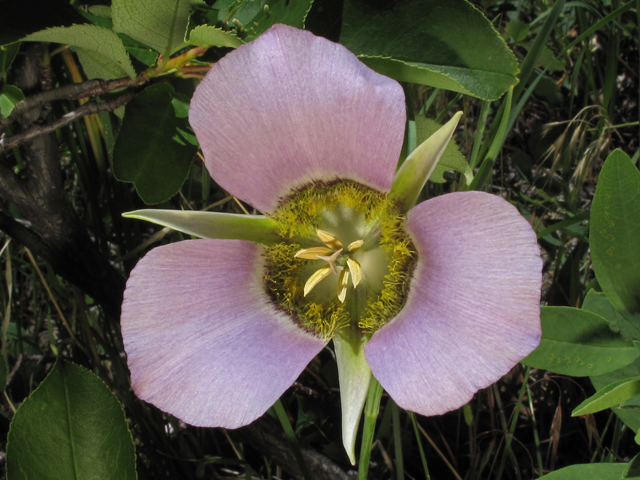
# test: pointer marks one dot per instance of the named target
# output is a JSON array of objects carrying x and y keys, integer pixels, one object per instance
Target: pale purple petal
[
  {"x": 289, "y": 108},
  {"x": 203, "y": 341},
  {"x": 473, "y": 306}
]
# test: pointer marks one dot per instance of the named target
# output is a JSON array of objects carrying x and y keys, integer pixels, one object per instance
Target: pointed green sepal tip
[
  {"x": 229, "y": 226},
  {"x": 418, "y": 167},
  {"x": 354, "y": 375}
]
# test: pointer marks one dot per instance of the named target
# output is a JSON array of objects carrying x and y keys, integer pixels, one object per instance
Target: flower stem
[
  {"x": 291, "y": 436},
  {"x": 371, "y": 410}
]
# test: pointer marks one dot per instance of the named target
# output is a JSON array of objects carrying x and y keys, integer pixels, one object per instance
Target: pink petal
[
  {"x": 203, "y": 340},
  {"x": 289, "y": 108},
  {"x": 473, "y": 307}
]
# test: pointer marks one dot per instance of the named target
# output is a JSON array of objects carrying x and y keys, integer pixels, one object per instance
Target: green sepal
[
  {"x": 254, "y": 228},
  {"x": 354, "y": 375},
  {"x": 419, "y": 166}
]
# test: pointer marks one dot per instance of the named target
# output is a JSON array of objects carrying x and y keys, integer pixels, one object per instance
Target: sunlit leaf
[
  {"x": 287, "y": 12},
  {"x": 609, "y": 396},
  {"x": 448, "y": 44},
  {"x": 10, "y": 96},
  {"x": 599, "y": 471},
  {"x": 160, "y": 24},
  {"x": 579, "y": 343},
  {"x": 614, "y": 232},
  {"x": 213, "y": 37},
  {"x": 101, "y": 51}
]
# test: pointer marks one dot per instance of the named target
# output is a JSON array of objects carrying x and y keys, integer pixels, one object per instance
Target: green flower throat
[{"x": 345, "y": 259}]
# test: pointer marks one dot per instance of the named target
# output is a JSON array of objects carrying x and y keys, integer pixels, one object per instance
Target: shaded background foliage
[{"x": 74, "y": 166}]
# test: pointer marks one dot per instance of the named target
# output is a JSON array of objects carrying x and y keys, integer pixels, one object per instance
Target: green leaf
[
  {"x": 7, "y": 54},
  {"x": 287, "y": 12},
  {"x": 629, "y": 416},
  {"x": 100, "y": 50},
  {"x": 517, "y": 30},
  {"x": 589, "y": 471},
  {"x": 152, "y": 150},
  {"x": 70, "y": 428},
  {"x": 598, "y": 303},
  {"x": 254, "y": 228},
  {"x": 448, "y": 44},
  {"x": 614, "y": 232},
  {"x": 10, "y": 96},
  {"x": 213, "y": 37},
  {"x": 579, "y": 343},
  {"x": 160, "y": 24},
  {"x": 451, "y": 160},
  {"x": 609, "y": 396}
]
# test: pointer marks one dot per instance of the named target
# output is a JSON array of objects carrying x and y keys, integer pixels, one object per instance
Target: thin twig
[
  {"x": 74, "y": 91},
  {"x": 86, "y": 109}
]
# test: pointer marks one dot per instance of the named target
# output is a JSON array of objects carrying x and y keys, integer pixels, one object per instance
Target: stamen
[
  {"x": 343, "y": 282},
  {"x": 331, "y": 260},
  {"x": 353, "y": 246},
  {"x": 356, "y": 271},
  {"x": 329, "y": 240},
  {"x": 313, "y": 252},
  {"x": 314, "y": 279}
]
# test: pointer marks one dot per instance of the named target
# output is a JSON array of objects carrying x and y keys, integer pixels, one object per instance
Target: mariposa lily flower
[{"x": 437, "y": 300}]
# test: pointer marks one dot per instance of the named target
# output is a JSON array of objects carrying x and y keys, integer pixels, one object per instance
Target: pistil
[{"x": 336, "y": 258}]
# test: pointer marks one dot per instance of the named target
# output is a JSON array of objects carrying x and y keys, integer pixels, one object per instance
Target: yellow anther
[
  {"x": 315, "y": 279},
  {"x": 353, "y": 246},
  {"x": 313, "y": 252},
  {"x": 356, "y": 271},
  {"x": 329, "y": 239},
  {"x": 343, "y": 282}
]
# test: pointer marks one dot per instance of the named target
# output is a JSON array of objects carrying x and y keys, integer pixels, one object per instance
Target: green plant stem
[
  {"x": 397, "y": 440},
  {"x": 514, "y": 421},
  {"x": 371, "y": 410},
  {"x": 291, "y": 436},
  {"x": 477, "y": 140},
  {"x": 414, "y": 422},
  {"x": 485, "y": 170}
]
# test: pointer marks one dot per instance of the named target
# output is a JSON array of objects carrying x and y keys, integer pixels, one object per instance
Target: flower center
[{"x": 344, "y": 258}]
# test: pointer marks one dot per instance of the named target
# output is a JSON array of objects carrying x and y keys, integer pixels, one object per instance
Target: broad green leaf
[
  {"x": 254, "y": 228},
  {"x": 448, "y": 44},
  {"x": 70, "y": 428},
  {"x": 7, "y": 54},
  {"x": 609, "y": 396},
  {"x": 633, "y": 468},
  {"x": 100, "y": 50},
  {"x": 630, "y": 416},
  {"x": 579, "y": 343},
  {"x": 160, "y": 24},
  {"x": 598, "y": 303},
  {"x": 451, "y": 160},
  {"x": 614, "y": 232},
  {"x": 589, "y": 471},
  {"x": 10, "y": 96},
  {"x": 213, "y": 37},
  {"x": 288, "y": 12},
  {"x": 153, "y": 149}
]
